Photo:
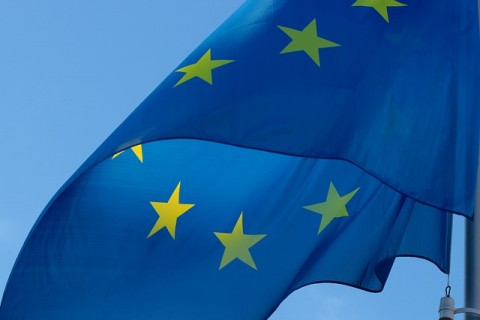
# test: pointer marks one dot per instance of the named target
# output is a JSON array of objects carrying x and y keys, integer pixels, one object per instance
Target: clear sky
[{"x": 71, "y": 71}]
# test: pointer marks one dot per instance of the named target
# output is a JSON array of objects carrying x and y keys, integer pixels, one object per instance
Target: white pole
[{"x": 472, "y": 256}]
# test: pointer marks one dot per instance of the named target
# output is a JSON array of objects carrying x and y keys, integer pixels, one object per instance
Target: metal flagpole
[
  {"x": 472, "y": 260},
  {"x": 472, "y": 256},
  {"x": 472, "y": 250}
]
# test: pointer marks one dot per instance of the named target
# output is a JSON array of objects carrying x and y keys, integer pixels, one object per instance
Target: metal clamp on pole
[{"x": 468, "y": 310}]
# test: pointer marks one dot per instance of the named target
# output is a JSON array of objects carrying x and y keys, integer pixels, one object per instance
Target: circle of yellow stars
[{"x": 237, "y": 244}]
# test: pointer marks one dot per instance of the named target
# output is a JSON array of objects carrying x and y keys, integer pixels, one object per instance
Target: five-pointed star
[
  {"x": 333, "y": 207},
  {"x": 169, "y": 212},
  {"x": 137, "y": 150},
  {"x": 237, "y": 244},
  {"x": 307, "y": 40},
  {"x": 201, "y": 69},
  {"x": 379, "y": 5}
]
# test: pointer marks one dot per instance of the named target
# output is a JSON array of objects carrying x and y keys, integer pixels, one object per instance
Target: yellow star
[
  {"x": 379, "y": 5},
  {"x": 137, "y": 150},
  {"x": 307, "y": 40},
  {"x": 334, "y": 207},
  {"x": 169, "y": 212},
  {"x": 201, "y": 69},
  {"x": 237, "y": 244}
]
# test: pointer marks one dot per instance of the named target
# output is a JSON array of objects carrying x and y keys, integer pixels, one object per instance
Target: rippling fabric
[{"x": 304, "y": 141}]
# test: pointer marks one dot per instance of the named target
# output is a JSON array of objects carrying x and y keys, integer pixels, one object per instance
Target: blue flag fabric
[
  {"x": 302, "y": 142},
  {"x": 250, "y": 232},
  {"x": 334, "y": 79}
]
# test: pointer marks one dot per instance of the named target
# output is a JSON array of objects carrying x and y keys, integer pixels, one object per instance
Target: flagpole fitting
[{"x": 447, "y": 311}]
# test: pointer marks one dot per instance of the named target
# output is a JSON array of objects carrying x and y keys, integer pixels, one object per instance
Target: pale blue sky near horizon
[{"x": 72, "y": 71}]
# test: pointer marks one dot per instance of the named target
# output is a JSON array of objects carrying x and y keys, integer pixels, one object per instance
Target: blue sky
[{"x": 71, "y": 71}]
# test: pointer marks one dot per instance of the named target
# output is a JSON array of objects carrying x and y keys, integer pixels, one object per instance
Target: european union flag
[{"x": 304, "y": 141}]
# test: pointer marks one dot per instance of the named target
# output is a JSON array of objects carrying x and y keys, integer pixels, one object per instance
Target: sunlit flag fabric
[{"x": 304, "y": 141}]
